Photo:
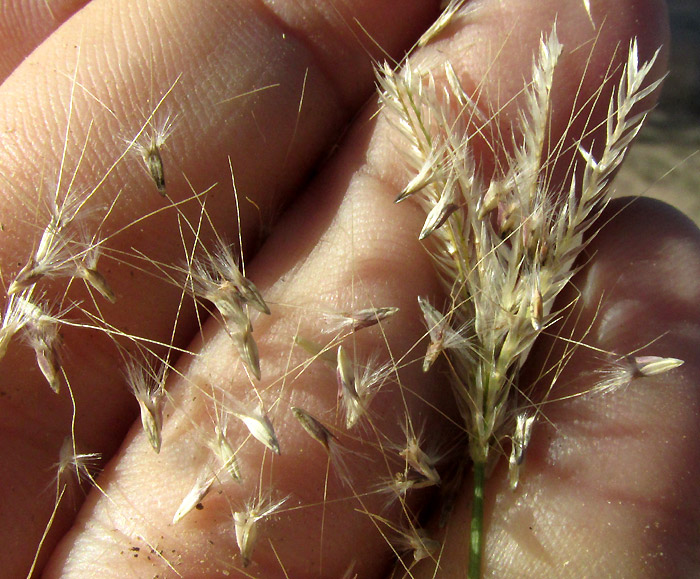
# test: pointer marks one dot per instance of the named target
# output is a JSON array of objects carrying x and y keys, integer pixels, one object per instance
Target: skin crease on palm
[{"x": 607, "y": 488}]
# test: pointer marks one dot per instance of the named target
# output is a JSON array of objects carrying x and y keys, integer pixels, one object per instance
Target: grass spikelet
[
  {"x": 442, "y": 22},
  {"x": 314, "y": 428},
  {"x": 365, "y": 318},
  {"x": 147, "y": 385},
  {"x": 358, "y": 385},
  {"x": 199, "y": 490},
  {"x": 321, "y": 434},
  {"x": 41, "y": 332},
  {"x": 420, "y": 461},
  {"x": 17, "y": 314},
  {"x": 73, "y": 463},
  {"x": 619, "y": 371},
  {"x": 247, "y": 521},
  {"x": 86, "y": 269},
  {"x": 149, "y": 146},
  {"x": 259, "y": 426},
  {"x": 418, "y": 544},
  {"x": 53, "y": 256},
  {"x": 221, "y": 447},
  {"x": 442, "y": 336},
  {"x": 45, "y": 341},
  {"x": 521, "y": 439},
  {"x": 218, "y": 279}
]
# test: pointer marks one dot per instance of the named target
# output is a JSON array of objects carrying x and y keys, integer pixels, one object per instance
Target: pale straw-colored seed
[
  {"x": 425, "y": 176},
  {"x": 199, "y": 490},
  {"x": 97, "y": 281},
  {"x": 248, "y": 350},
  {"x": 313, "y": 427},
  {"x": 48, "y": 362},
  {"x": 151, "y": 421},
  {"x": 316, "y": 350},
  {"x": 223, "y": 450},
  {"x": 320, "y": 433},
  {"x": 358, "y": 384},
  {"x": 653, "y": 365},
  {"x": 442, "y": 210},
  {"x": 251, "y": 295},
  {"x": 154, "y": 164},
  {"x": 347, "y": 388},
  {"x": 361, "y": 319},
  {"x": 27, "y": 276},
  {"x": 149, "y": 149},
  {"x": 345, "y": 372},
  {"x": 496, "y": 192},
  {"x": 260, "y": 427},
  {"x": 536, "y": 308},
  {"x": 619, "y": 372}
]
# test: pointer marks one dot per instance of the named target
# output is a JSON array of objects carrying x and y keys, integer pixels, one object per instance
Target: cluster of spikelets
[
  {"x": 215, "y": 281},
  {"x": 506, "y": 244}
]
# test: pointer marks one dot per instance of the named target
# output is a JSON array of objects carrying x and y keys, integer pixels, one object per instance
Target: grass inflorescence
[{"x": 505, "y": 244}]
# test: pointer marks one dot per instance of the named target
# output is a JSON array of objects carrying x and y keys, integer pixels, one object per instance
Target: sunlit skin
[{"x": 608, "y": 482}]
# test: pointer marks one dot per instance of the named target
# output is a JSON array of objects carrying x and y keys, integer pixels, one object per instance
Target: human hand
[{"x": 341, "y": 245}]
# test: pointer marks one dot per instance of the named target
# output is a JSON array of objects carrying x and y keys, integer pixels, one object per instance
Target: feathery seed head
[{"x": 510, "y": 248}]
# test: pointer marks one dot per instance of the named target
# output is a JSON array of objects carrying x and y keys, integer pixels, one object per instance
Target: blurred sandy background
[{"x": 665, "y": 161}]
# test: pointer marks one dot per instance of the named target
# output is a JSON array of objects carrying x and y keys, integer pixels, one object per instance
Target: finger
[
  {"x": 92, "y": 87},
  {"x": 26, "y": 24},
  {"x": 608, "y": 479},
  {"x": 306, "y": 267}
]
